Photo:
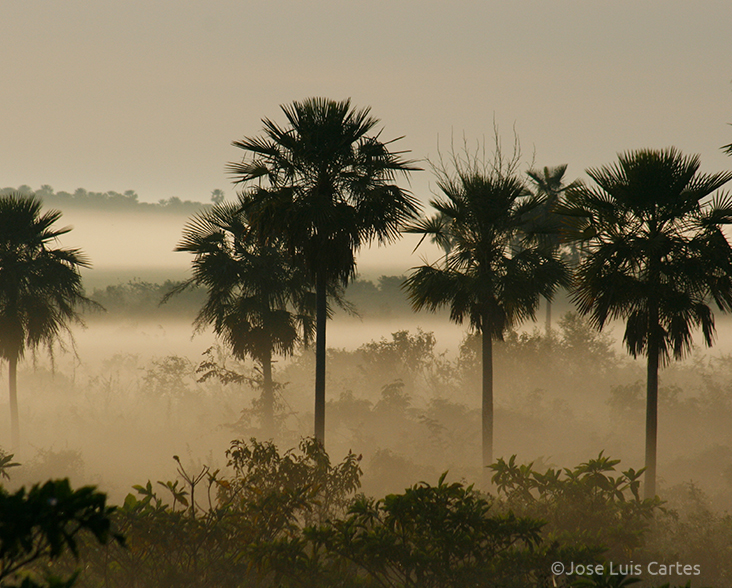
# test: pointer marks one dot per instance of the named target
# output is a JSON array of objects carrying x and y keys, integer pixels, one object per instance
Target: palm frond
[{"x": 41, "y": 289}]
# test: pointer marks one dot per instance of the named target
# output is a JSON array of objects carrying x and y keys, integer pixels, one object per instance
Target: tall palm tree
[
  {"x": 40, "y": 286},
  {"x": 326, "y": 187},
  {"x": 258, "y": 300},
  {"x": 656, "y": 257},
  {"x": 482, "y": 215},
  {"x": 549, "y": 182}
]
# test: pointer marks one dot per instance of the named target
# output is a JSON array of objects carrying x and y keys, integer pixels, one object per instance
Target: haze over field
[{"x": 149, "y": 96}]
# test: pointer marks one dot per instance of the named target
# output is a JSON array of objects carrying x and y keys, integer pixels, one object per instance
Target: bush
[
  {"x": 37, "y": 526},
  {"x": 585, "y": 507}
]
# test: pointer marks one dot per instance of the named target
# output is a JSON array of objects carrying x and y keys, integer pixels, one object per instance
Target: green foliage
[
  {"x": 290, "y": 520},
  {"x": 260, "y": 471},
  {"x": 586, "y": 506},
  {"x": 205, "y": 529},
  {"x": 427, "y": 536},
  {"x": 6, "y": 462},
  {"x": 176, "y": 543},
  {"x": 40, "y": 524},
  {"x": 435, "y": 536}
]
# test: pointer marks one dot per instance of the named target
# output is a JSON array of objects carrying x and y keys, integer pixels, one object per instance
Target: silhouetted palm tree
[
  {"x": 549, "y": 182},
  {"x": 40, "y": 287},
  {"x": 482, "y": 215},
  {"x": 258, "y": 299},
  {"x": 656, "y": 256},
  {"x": 325, "y": 187}
]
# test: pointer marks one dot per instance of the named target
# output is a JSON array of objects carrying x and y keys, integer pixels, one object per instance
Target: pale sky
[{"x": 148, "y": 95}]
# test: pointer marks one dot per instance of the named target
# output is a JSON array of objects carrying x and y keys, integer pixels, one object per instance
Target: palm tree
[
  {"x": 326, "y": 187},
  {"x": 258, "y": 299},
  {"x": 40, "y": 287},
  {"x": 656, "y": 257},
  {"x": 549, "y": 182},
  {"x": 483, "y": 213}
]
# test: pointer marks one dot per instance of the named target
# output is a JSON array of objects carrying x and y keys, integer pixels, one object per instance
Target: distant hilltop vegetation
[{"x": 81, "y": 199}]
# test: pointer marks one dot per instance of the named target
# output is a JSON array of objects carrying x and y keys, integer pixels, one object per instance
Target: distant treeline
[
  {"x": 383, "y": 299},
  {"x": 81, "y": 199},
  {"x": 138, "y": 298}
]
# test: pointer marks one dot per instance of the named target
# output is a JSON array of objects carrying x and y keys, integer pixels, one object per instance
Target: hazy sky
[{"x": 148, "y": 96}]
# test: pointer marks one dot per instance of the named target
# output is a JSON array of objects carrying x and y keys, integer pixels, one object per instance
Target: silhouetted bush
[{"x": 40, "y": 525}]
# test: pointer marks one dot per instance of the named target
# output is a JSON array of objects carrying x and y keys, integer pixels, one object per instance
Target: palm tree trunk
[
  {"x": 321, "y": 311},
  {"x": 548, "y": 316},
  {"x": 13, "y": 387},
  {"x": 487, "y": 344},
  {"x": 652, "y": 406},
  {"x": 267, "y": 396}
]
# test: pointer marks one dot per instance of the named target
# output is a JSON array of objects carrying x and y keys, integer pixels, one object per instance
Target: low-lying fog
[{"x": 115, "y": 412}]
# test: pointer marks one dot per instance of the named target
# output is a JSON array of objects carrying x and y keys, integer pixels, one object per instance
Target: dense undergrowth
[{"x": 295, "y": 519}]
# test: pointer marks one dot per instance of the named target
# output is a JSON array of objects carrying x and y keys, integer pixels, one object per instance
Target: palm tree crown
[
  {"x": 656, "y": 258},
  {"x": 549, "y": 182},
  {"x": 325, "y": 187},
  {"x": 40, "y": 287},
  {"x": 656, "y": 248},
  {"x": 324, "y": 184}
]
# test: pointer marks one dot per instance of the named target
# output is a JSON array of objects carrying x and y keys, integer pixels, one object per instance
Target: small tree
[
  {"x": 217, "y": 196},
  {"x": 434, "y": 537}
]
